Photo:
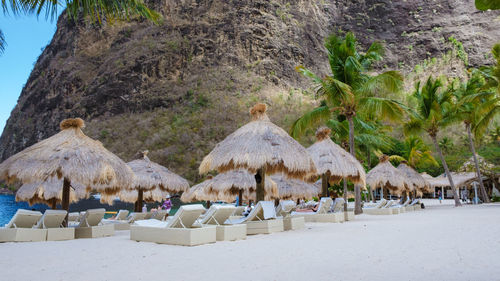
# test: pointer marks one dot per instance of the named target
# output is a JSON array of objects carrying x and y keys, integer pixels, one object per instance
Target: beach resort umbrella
[
  {"x": 150, "y": 175},
  {"x": 334, "y": 163},
  {"x": 226, "y": 186},
  {"x": 131, "y": 196},
  {"x": 262, "y": 148},
  {"x": 72, "y": 157},
  {"x": 49, "y": 192},
  {"x": 414, "y": 181},
  {"x": 293, "y": 189},
  {"x": 384, "y": 175}
]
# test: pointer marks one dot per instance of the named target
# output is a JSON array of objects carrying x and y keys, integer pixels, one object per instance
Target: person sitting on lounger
[
  {"x": 308, "y": 208},
  {"x": 248, "y": 209}
]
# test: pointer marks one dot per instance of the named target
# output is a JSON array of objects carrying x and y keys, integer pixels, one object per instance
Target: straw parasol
[
  {"x": 49, "y": 192},
  {"x": 72, "y": 156},
  {"x": 150, "y": 175},
  {"x": 131, "y": 196},
  {"x": 293, "y": 189},
  {"x": 384, "y": 175},
  {"x": 226, "y": 186},
  {"x": 262, "y": 148},
  {"x": 414, "y": 181},
  {"x": 333, "y": 163}
]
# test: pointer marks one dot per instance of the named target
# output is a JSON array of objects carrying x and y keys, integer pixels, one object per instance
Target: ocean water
[{"x": 9, "y": 206}]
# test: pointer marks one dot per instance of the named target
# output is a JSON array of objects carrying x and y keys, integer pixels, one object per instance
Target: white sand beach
[{"x": 438, "y": 243}]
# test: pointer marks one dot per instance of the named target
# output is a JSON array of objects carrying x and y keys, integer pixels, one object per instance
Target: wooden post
[
  {"x": 276, "y": 202},
  {"x": 240, "y": 197},
  {"x": 208, "y": 204},
  {"x": 53, "y": 203},
  {"x": 345, "y": 199},
  {"x": 324, "y": 185},
  {"x": 138, "y": 204},
  {"x": 65, "y": 199},
  {"x": 260, "y": 178}
]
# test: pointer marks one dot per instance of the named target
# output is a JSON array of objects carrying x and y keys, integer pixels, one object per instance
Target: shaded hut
[
  {"x": 293, "y": 189},
  {"x": 49, "y": 192},
  {"x": 384, "y": 175},
  {"x": 71, "y": 156},
  {"x": 226, "y": 186},
  {"x": 414, "y": 181},
  {"x": 262, "y": 148},
  {"x": 150, "y": 176}
]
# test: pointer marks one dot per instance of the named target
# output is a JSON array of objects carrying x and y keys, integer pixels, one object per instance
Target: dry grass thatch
[
  {"x": 293, "y": 189},
  {"x": 45, "y": 192},
  {"x": 414, "y": 180},
  {"x": 459, "y": 179},
  {"x": 69, "y": 154},
  {"x": 150, "y": 175},
  {"x": 226, "y": 186},
  {"x": 330, "y": 157},
  {"x": 259, "y": 144},
  {"x": 130, "y": 196},
  {"x": 384, "y": 175}
]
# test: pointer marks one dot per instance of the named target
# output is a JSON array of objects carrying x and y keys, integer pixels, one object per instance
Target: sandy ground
[{"x": 438, "y": 243}]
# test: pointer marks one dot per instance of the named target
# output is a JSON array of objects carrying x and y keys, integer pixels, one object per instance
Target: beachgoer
[
  {"x": 440, "y": 196},
  {"x": 237, "y": 201},
  {"x": 167, "y": 204},
  {"x": 308, "y": 208},
  {"x": 144, "y": 209}
]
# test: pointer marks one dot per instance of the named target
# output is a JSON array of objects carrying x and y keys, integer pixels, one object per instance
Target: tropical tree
[
  {"x": 93, "y": 10},
  {"x": 350, "y": 90},
  {"x": 485, "y": 5},
  {"x": 474, "y": 108},
  {"x": 446, "y": 144},
  {"x": 415, "y": 152},
  {"x": 435, "y": 110}
]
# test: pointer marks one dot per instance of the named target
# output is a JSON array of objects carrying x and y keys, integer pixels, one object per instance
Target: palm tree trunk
[
  {"x": 486, "y": 198},
  {"x": 447, "y": 171},
  {"x": 324, "y": 185},
  {"x": 357, "y": 190},
  {"x": 345, "y": 199}
]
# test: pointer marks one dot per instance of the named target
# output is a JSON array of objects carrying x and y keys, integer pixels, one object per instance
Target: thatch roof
[
  {"x": 385, "y": 175},
  {"x": 258, "y": 144},
  {"x": 226, "y": 186},
  {"x": 330, "y": 157},
  {"x": 459, "y": 179},
  {"x": 150, "y": 175},
  {"x": 69, "y": 154},
  {"x": 414, "y": 181},
  {"x": 293, "y": 189},
  {"x": 130, "y": 196},
  {"x": 44, "y": 192}
]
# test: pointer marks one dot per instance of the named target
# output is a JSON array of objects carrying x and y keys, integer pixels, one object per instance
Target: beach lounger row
[
  {"x": 34, "y": 226},
  {"x": 328, "y": 211},
  {"x": 391, "y": 207}
]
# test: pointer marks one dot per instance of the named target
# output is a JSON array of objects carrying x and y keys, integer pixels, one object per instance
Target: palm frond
[
  {"x": 384, "y": 109},
  {"x": 491, "y": 109},
  {"x": 413, "y": 127},
  {"x": 310, "y": 119},
  {"x": 3, "y": 44},
  {"x": 385, "y": 83}
]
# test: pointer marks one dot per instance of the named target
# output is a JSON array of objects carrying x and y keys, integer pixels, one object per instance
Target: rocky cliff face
[{"x": 180, "y": 87}]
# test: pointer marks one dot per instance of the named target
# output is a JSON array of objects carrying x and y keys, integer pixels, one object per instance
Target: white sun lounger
[
  {"x": 52, "y": 221},
  {"x": 238, "y": 213},
  {"x": 160, "y": 215},
  {"x": 414, "y": 205},
  {"x": 322, "y": 214},
  {"x": 218, "y": 215},
  {"x": 176, "y": 231},
  {"x": 73, "y": 216},
  {"x": 91, "y": 225},
  {"x": 124, "y": 224},
  {"x": 20, "y": 228},
  {"x": 285, "y": 209},
  {"x": 383, "y": 208},
  {"x": 338, "y": 210},
  {"x": 400, "y": 208},
  {"x": 261, "y": 220}
]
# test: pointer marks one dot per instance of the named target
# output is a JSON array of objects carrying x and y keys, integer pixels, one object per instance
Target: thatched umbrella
[
  {"x": 293, "y": 189},
  {"x": 131, "y": 196},
  {"x": 150, "y": 175},
  {"x": 414, "y": 181},
  {"x": 226, "y": 186},
  {"x": 71, "y": 156},
  {"x": 334, "y": 163},
  {"x": 384, "y": 175},
  {"x": 49, "y": 192},
  {"x": 262, "y": 148}
]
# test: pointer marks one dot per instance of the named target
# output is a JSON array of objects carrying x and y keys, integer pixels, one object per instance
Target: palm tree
[
  {"x": 415, "y": 152},
  {"x": 94, "y": 10},
  {"x": 446, "y": 144},
  {"x": 350, "y": 90},
  {"x": 474, "y": 107},
  {"x": 485, "y": 5},
  {"x": 435, "y": 110}
]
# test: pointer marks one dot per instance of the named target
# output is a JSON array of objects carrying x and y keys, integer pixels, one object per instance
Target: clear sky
[{"x": 25, "y": 36}]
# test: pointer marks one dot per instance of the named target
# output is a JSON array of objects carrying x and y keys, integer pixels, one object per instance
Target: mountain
[{"x": 178, "y": 88}]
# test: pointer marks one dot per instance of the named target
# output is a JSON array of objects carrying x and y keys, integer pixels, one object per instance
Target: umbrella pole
[
  {"x": 260, "y": 178},
  {"x": 208, "y": 204},
  {"x": 138, "y": 204},
  {"x": 53, "y": 203},
  {"x": 345, "y": 199},
  {"x": 240, "y": 197},
  {"x": 324, "y": 185},
  {"x": 65, "y": 199}
]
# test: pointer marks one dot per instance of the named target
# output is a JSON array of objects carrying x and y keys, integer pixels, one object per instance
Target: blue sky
[{"x": 25, "y": 36}]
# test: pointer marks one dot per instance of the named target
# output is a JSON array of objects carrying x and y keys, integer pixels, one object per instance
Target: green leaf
[
  {"x": 484, "y": 5},
  {"x": 310, "y": 119}
]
